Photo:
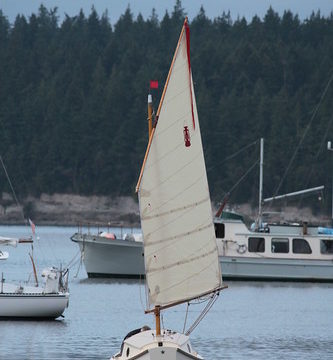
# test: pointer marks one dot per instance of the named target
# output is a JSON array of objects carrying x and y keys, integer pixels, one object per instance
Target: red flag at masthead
[{"x": 153, "y": 84}]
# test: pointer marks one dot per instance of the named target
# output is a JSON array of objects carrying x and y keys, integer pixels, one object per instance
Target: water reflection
[
  {"x": 250, "y": 320},
  {"x": 265, "y": 348}
]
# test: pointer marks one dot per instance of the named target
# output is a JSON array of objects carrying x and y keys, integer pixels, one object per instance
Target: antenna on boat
[
  {"x": 329, "y": 147},
  {"x": 261, "y": 176}
]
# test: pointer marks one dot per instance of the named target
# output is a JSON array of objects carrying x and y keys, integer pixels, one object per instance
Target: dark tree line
[{"x": 73, "y": 99}]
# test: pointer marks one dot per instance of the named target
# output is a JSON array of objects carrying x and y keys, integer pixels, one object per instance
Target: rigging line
[
  {"x": 5, "y": 133},
  {"x": 162, "y": 321},
  {"x": 204, "y": 312},
  {"x": 78, "y": 269},
  {"x": 18, "y": 204},
  {"x": 12, "y": 188},
  {"x": 243, "y": 177},
  {"x": 140, "y": 292},
  {"x": 232, "y": 155},
  {"x": 71, "y": 263},
  {"x": 187, "y": 307},
  {"x": 322, "y": 144},
  {"x": 305, "y": 133}
]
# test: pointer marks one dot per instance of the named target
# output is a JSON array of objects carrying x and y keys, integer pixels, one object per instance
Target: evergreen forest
[{"x": 73, "y": 100}]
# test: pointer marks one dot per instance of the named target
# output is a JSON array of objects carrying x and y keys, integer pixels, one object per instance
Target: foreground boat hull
[
  {"x": 146, "y": 345},
  {"x": 32, "y": 306},
  {"x": 163, "y": 353}
]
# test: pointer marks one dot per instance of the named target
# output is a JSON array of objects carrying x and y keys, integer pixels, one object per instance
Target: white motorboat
[
  {"x": 289, "y": 252},
  {"x": 277, "y": 251},
  {"x": 47, "y": 301},
  {"x": 116, "y": 256},
  {"x": 181, "y": 260}
]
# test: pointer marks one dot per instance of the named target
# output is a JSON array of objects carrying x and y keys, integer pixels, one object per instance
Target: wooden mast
[
  {"x": 159, "y": 107},
  {"x": 157, "y": 312}
]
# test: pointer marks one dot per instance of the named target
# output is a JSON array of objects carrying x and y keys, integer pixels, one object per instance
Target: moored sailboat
[
  {"x": 39, "y": 301},
  {"x": 181, "y": 259}
]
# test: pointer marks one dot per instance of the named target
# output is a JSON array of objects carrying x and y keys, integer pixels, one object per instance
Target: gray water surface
[{"x": 250, "y": 320}]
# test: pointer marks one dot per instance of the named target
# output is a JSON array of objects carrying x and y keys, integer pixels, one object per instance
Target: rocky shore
[{"x": 66, "y": 209}]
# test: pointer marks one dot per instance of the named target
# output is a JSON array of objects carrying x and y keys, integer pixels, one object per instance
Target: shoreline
[
  {"x": 70, "y": 210},
  {"x": 122, "y": 211}
]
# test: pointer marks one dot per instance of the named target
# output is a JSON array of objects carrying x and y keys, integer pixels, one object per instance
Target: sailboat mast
[
  {"x": 34, "y": 268},
  {"x": 261, "y": 176},
  {"x": 151, "y": 134},
  {"x": 157, "y": 312}
]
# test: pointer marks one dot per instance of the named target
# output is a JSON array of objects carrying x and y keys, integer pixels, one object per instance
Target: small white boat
[
  {"x": 47, "y": 301},
  {"x": 35, "y": 302},
  {"x": 4, "y": 255},
  {"x": 181, "y": 259},
  {"x": 145, "y": 345}
]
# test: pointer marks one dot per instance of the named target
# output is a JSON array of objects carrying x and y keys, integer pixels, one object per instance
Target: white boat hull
[
  {"x": 147, "y": 346},
  {"x": 42, "y": 306},
  {"x": 163, "y": 353},
  {"x": 4, "y": 255},
  {"x": 245, "y": 268},
  {"x": 103, "y": 257}
]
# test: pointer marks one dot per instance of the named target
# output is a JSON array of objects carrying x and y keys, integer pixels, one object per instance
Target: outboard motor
[{"x": 51, "y": 276}]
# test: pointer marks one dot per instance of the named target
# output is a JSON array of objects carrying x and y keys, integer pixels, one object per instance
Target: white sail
[{"x": 181, "y": 259}]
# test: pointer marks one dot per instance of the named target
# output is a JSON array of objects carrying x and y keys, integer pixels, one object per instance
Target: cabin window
[
  {"x": 127, "y": 352},
  {"x": 256, "y": 244},
  {"x": 219, "y": 230},
  {"x": 301, "y": 246},
  {"x": 280, "y": 245},
  {"x": 326, "y": 246}
]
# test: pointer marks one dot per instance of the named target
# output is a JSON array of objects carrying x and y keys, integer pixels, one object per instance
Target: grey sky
[{"x": 213, "y": 8}]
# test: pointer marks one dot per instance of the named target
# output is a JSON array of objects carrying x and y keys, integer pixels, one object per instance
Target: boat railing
[{"x": 95, "y": 228}]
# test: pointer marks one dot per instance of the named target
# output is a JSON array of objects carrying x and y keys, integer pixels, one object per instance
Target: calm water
[{"x": 250, "y": 320}]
